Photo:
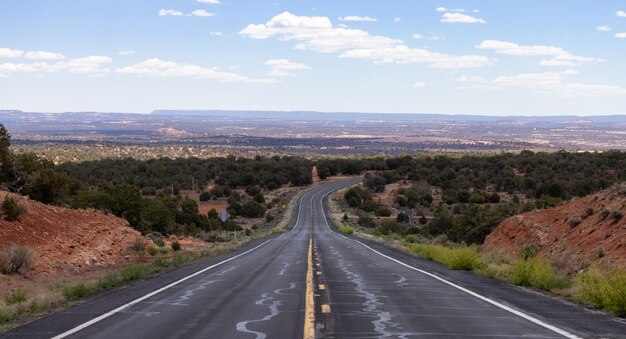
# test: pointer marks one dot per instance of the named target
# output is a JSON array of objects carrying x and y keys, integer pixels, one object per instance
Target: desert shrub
[
  {"x": 616, "y": 214},
  {"x": 176, "y": 246},
  {"x": 15, "y": 297},
  {"x": 138, "y": 245},
  {"x": 604, "y": 213},
  {"x": 109, "y": 281},
  {"x": 133, "y": 272},
  {"x": 161, "y": 262},
  {"x": 366, "y": 221},
  {"x": 383, "y": 212},
  {"x": 77, "y": 291},
  {"x": 5, "y": 316},
  {"x": 179, "y": 259},
  {"x": 607, "y": 291},
  {"x": 15, "y": 259},
  {"x": 538, "y": 273},
  {"x": 346, "y": 230},
  {"x": 402, "y": 217},
  {"x": 587, "y": 213},
  {"x": 156, "y": 238},
  {"x": 163, "y": 250},
  {"x": 411, "y": 238},
  {"x": 153, "y": 250},
  {"x": 529, "y": 251},
  {"x": 573, "y": 222},
  {"x": 11, "y": 208},
  {"x": 461, "y": 258}
]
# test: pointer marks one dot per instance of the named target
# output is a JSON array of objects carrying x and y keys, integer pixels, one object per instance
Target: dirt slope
[
  {"x": 68, "y": 240},
  {"x": 572, "y": 235}
]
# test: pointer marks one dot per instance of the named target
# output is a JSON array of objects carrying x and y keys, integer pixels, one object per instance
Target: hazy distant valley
[{"x": 72, "y": 136}]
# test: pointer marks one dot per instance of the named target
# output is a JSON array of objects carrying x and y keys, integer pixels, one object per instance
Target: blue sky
[{"x": 556, "y": 57}]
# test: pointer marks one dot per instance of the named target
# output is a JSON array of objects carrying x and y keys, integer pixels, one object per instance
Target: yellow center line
[{"x": 309, "y": 311}]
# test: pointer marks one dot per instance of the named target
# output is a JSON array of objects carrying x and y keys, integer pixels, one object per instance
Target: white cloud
[
  {"x": 621, "y": 14},
  {"x": 397, "y": 19},
  {"x": 460, "y": 18},
  {"x": 472, "y": 79},
  {"x": 166, "y": 12},
  {"x": 417, "y": 36},
  {"x": 419, "y": 84},
  {"x": 128, "y": 52},
  {"x": 10, "y": 53},
  {"x": 211, "y": 2},
  {"x": 284, "y": 67},
  {"x": 167, "y": 69},
  {"x": 620, "y": 35},
  {"x": 443, "y": 9},
  {"x": 41, "y": 55},
  {"x": 560, "y": 56},
  {"x": 603, "y": 28},
  {"x": 216, "y": 33},
  {"x": 554, "y": 82},
  {"x": 357, "y": 18},
  {"x": 319, "y": 35},
  {"x": 200, "y": 12},
  {"x": 476, "y": 11},
  {"x": 91, "y": 65}
]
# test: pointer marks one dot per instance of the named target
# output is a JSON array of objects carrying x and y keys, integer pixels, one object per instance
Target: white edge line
[
  {"x": 153, "y": 293},
  {"x": 474, "y": 294}
]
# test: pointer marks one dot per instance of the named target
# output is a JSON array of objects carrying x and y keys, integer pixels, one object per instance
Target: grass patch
[
  {"x": 15, "y": 297},
  {"x": 346, "y": 230},
  {"x": 537, "y": 272},
  {"x": 109, "y": 281},
  {"x": 5, "y": 316},
  {"x": 133, "y": 272},
  {"x": 153, "y": 250},
  {"x": 604, "y": 290},
  {"x": 464, "y": 258},
  {"x": 77, "y": 291}
]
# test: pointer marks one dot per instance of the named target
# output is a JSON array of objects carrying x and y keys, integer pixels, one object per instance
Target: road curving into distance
[{"x": 356, "y": 289}]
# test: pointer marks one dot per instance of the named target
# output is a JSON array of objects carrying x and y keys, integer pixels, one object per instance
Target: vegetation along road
[{"x": 312, "y": 281}]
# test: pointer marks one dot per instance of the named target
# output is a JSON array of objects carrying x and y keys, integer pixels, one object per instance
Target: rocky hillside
[
  {"x": 65, "y": 239},
  {"x": 573, "y": 235}
]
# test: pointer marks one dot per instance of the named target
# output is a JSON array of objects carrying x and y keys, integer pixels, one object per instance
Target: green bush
[
  {"x": 109, "y": 281},
  {"x": 536, "y": 272},
  {"x": 5, "y": 316},
  {"x": 456, "y": 258},
  {"x": 153, "y": 250},
  {"x": 176, "y": 246},
  {"x": 607, "y": 291},
  {"x": 11, "y": 208},
  {"x": 346, "y": 230},
  {"x": 133, "y": 272},
  {"x": 411, "y": 238},
  {"x": 15, "y": 297},
  {"x": 163, "y": 250},
  {"x": 77, "y": 291},
  {"x": 529, "y": 251}
]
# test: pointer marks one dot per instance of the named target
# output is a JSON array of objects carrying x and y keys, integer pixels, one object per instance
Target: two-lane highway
[
  {"x": 361, "y": 289},
  {"x": 257, "y": 292}
]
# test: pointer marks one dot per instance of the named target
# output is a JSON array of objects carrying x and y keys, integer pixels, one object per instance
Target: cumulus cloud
[
  {"x": 621, "y": 14},
  {"x": 357, "y": 18},
  {"x": 169, "y": 12},
  {"x": 603, "y": 28},
  {"x": 200, "y": 12},
  {"x": 555, "y": 82},
  {"x": 41, "y": 55},
  {"x": 216, "y": 33},
  {"x": 417, "y": 36},
  {"x": 620, "y": 35},
  {"x": 419, "y": 84},
  {"x": 317, "y": 33},
  {"x": 560, "y": 57},
  {"x": 397, "y": 19},
  {"x": 460, "y": 18},
  {"x": 10, "y": 53},
  {"x": 284, "y": 67},
  {"x": 167, "y": 69}
]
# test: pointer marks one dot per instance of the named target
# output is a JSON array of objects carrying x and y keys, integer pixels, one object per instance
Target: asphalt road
[{"x": 362, "y": 290}]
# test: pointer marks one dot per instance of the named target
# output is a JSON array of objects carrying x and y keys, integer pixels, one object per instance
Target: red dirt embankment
[
  {"x": 573, "y": 235},
  {"x": 67, "y": 240}
]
